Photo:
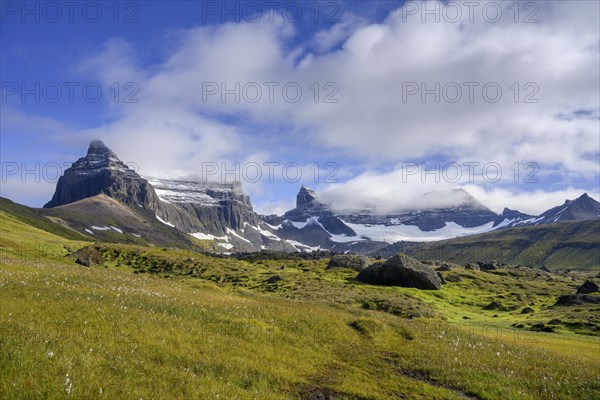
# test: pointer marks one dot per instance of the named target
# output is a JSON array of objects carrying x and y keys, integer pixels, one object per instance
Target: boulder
[
  {"x": 85, "y": 261},
  {"x": 487, "y": 266},
  {"x": 357, "y": 262},
  {"x": 274, "y": 279},
  {"x": 494, "y": 305},
  {"x": 577, "y": 299},
  {"x": 401, "y": 270},
  {"x": 527, "y": 310},
  {"x": 453, "y": 278},
  {"x": 588, "y": 287},
  {"x": 472, "y": 266},
  {"x": 444, "y": 267}
]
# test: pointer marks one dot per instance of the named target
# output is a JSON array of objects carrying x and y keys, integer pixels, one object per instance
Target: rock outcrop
[
  {"x": 401, "y": 270},
  {"x": 588, "y": 287},
  {"x": 356, "y": 262}
]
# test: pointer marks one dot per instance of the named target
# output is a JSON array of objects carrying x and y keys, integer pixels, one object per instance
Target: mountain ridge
[{"x": 222, "y": 212}]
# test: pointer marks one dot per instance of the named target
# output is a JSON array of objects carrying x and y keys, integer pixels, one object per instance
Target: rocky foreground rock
[
  {"x": 356, "y": 262},
  {"x": 401, "y": 270},
  {"x": 588, "y": 287}
]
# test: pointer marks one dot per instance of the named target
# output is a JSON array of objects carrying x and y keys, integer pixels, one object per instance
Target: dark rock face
[
  {"x": 588, "y": 287},
  {"x": 401, "y": 270},
  {"x": 356, "y": 262},
  {"x": 577, "y": 299},
  {"x": 545, "y": 269},
  {"x": 307, "y": 199},
  {"x": 101, "y": 172}
]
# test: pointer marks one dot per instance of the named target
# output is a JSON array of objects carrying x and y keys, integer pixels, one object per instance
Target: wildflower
[
  {"x": 50, "y": 354},
  {"x": 68, "y": 384}
]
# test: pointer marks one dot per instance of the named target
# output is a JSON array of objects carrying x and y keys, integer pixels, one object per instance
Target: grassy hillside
[
  {"x": 37, "y": 218},
  {"x": 560, "y": 246},
  {"x": 119, "y": 223},
  {"x": 191, "y": 326}
]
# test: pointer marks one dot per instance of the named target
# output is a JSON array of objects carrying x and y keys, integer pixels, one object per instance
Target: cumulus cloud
[{"x": 367, "y": 72}]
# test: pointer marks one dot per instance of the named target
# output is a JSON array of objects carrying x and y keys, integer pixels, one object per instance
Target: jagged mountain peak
[
  {"x": 101, "y": 172},
  {"x": 307, "y": 198},
  {"x": 582, "y": 208}
]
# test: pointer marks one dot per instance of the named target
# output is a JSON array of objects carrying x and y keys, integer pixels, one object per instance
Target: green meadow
[{"x": 159, "y": 323}]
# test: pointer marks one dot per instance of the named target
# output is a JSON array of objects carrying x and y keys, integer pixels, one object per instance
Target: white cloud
[{"x": 173, "y": 128}]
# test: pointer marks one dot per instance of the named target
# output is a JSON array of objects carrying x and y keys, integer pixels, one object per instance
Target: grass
[{"x": 221, "y": 331}]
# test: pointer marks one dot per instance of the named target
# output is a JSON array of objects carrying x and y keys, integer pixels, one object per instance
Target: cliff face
[{"x": 211, "y": 207}]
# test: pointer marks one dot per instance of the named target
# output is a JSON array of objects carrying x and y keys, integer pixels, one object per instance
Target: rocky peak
[
  {"x": 307, "y": 199},
  {"x": 508, "y": 213},
  {"x": 101, "y": 172},
  {"x": 509, "y": 218},
  {"x": 582, "y": 208},
  {"x": 98, "y": 148}
]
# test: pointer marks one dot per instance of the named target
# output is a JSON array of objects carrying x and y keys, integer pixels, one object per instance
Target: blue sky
[{"x": 368, "y": 129}]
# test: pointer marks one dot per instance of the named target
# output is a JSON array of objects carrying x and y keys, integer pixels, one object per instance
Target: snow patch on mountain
[
  {"x": 303, "y": 247},
  {"x": 396, "y": 233},
  {"x": 234, "y": 233},
  {"x": 165, "y": 222},
  {"x": 208, "y": 236},
  {"x": 263, "y": 232}
]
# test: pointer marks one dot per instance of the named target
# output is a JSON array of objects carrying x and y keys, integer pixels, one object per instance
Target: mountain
[
  {"x": 316, "y": 224},
  {"x": 581, "y": 209},
  {"x": 510, "y": 218},
  {"x": 102, "y": 199},
  {"x": 206, "y": 210},
  {"x": 465, "y": 211}
]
